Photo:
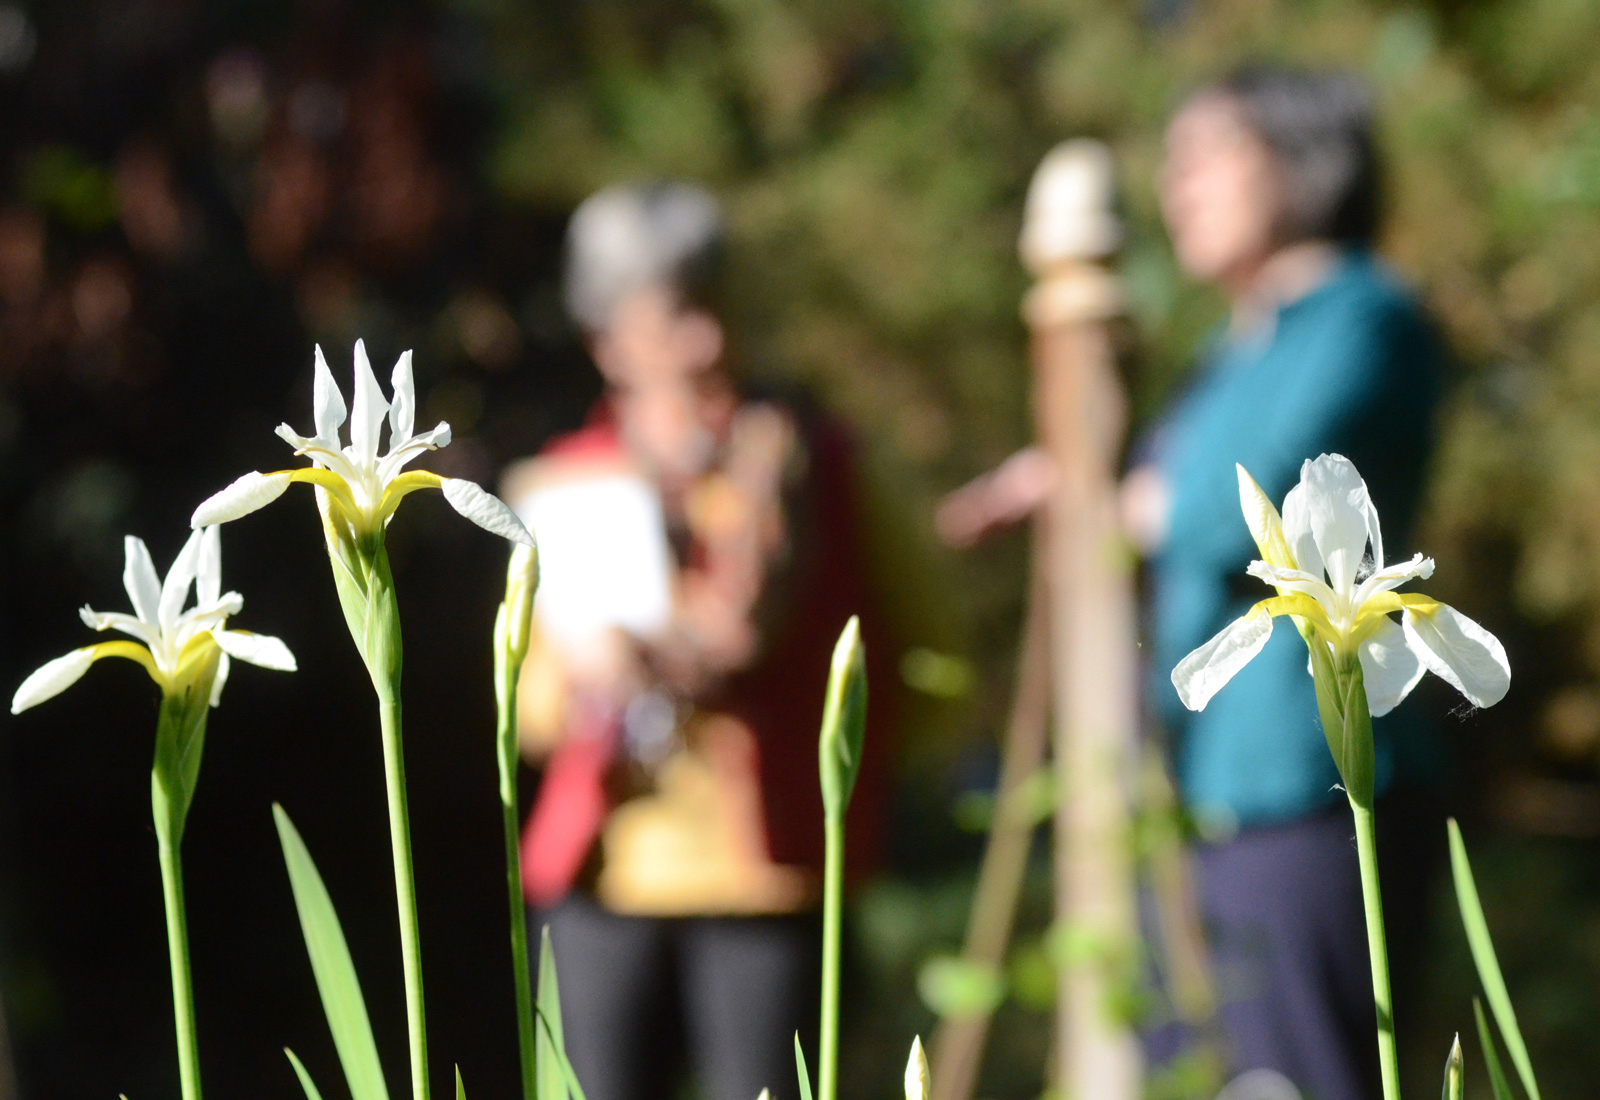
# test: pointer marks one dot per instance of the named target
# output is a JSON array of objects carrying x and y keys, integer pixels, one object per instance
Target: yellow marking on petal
[
  {"x": 326, "y": 479},
  {"x": 195, "y": 651},
  {"x": 1387, "y": 603},
  {"x": 1299, "y": 605},
  {"x": 404, "y": 485},
  {"x": 133, "y": 651},
  {"x": 1374, "y": 612}
]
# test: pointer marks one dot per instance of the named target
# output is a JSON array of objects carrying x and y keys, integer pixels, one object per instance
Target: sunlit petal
[
  {"x": 1295, "y": 580},
  {"x": 1459, "y": 652},
  {"x": 327, "y": 403},
  {"x": 402, "y": 414},
  {"x": 1393, "y": 576},
  {"x": 250, "y": 492},
  {"x": 1389, "y": 667},
  {"x": 255, "y": 649},
  {"x": 1266, "y": 526},
  {"x": 208, "y": 576},
  {"x": 131, "y": 625},
  {"x": 486, "y": 510},
  {"x": 366, "y": 419},
  {"x": 52, "y": 678},
  {"x": 1208, "y": 669},
  {"x": 396, "y": 459},
  {"x": 175, "y": 590},
  {"x": 220, "y": 680},
  {"x": 140, "y": 579},
  {"x": 1337, "y": 506},
  {"x": 1297, "y": 532}
]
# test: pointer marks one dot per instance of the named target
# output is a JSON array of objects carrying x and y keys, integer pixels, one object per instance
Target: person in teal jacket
[{"x": 1270, "y": 193}]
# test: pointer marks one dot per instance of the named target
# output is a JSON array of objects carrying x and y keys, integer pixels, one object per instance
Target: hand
[
  {"x": 1010, "y": 493},
  {"x": 1145, "y": 503}
]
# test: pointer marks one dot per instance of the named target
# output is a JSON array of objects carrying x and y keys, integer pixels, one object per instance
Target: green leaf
[
  {"x": 342, "y": 1002},
  {"x": 800, "y": 1068},
  {"x": 551, "y": 1081},
  {"x": 1494, "y": 985},
  {"x": 305, "y": 1078},
  {"x": 569, "y": 1078},
  {"x": 844, "y": 721},
  {"x": 461, "y": 1090},
  {"x": 1452, "y": 1072},
  {"x": 1491, "y": 1058}
]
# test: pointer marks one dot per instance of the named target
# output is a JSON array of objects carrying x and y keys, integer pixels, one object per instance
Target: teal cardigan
[{"x": 1351, "y": 368}]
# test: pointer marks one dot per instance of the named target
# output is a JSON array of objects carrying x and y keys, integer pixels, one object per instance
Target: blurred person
[
  {"x": 1270, "y": 193},
  {"x": 700, "y": 552}
]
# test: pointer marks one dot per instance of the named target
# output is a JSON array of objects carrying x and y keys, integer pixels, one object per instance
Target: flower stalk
[
  {"x": 844, "y": 718},
  {"x": 512, "y": 629}
]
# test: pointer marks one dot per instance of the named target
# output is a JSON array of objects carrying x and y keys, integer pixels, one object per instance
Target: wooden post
[{"x": 1069, "y": 234}]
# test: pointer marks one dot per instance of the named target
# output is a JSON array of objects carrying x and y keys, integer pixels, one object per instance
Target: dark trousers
[
  {"x": 1284, "y": 920},
  {"x": 638, "y": 993}
]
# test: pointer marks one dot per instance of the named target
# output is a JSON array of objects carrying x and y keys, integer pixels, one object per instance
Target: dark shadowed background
[{"x": 193, "y": 193}]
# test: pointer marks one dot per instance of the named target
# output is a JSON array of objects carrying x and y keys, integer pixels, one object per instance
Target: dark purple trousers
[{"x": 1283, "y": 912}]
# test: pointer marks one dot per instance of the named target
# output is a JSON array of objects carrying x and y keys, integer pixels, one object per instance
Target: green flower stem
[
  {"x": 178, "y": 957},
  {"x": 832, "y": 913},
  {"x": 394, "y": 775},
  {"x": 506, "y": 745},
  {"x": 1377, "y": 945}
]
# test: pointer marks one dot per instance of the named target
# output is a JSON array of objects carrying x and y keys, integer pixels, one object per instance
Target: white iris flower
[
  {"x": 362, "y": 487},
  {"x": 174, "y": 645},
  {"x": 1315, "y": 555}
]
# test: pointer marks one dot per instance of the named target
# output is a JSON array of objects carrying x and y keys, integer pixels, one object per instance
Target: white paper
[{"x": 604, "y": 562}]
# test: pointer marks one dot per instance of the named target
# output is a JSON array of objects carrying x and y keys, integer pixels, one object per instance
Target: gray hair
[
  {"x": 1320, "y": 127},
  {"x": 631, "y": 237}
]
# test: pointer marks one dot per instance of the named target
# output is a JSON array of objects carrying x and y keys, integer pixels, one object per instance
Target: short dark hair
[
  {"x": 1320, "y": 126},
  {"x": 631, "y": 237}
]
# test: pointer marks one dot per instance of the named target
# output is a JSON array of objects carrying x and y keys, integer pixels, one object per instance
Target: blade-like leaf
[
  {"x": 305, "y": 1078},
  {"x": 1452, "y": 1072},
  {"x": 801, "y": 1070},
  {"x": 1494, "y": 985},
  {"x": 461, "y": 1090},
  {"x": 569, "y": 1077},
  {"x": 342, "y": 1002},
  {"x": 552, "y": 1084},
  {"x": 1491, "y": 1058}
]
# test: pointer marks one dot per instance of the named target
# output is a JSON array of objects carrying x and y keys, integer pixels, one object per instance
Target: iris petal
[
  {"x": 1337, "y": 506},
  {"x": 175, "y": 590},
  {"x": 1208, "y": 669},
  {"x": 366, "y": 420},
  {"x": 327, "y": 403},
  {"x": 402, "y": 414},
  {"x": 487, "y": 511},
  {"x": 52, "y": 678},
  {"x": 208, "y": 575},
  {"x": 257, "y": 649},
  {"x": 139, "y": 578},
  {"x": 1297, "y": 532},
  {"x": 248, "y": 493},
  {"x": 1389, "y": 668},
  {"x": 1459, "y": 652}
]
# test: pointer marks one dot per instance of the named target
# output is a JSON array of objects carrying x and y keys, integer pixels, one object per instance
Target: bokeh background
[{"x": 192, "y": 192}]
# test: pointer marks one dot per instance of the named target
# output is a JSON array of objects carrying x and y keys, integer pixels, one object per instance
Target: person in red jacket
[{"x": 700, "y": 550}]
